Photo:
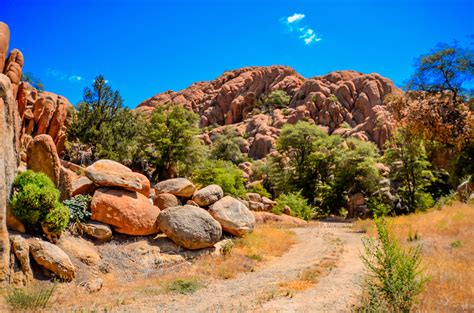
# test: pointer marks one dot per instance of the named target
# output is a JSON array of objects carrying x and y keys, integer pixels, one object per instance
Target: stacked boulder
[
  {"x": 200, "y": 222},
  {"x": 257, "y": 202}
]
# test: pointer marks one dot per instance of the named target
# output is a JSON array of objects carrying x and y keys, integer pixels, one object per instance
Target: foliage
[
  {"x": 298, "y": 204},
  {"x": 394, "y": 279},
  {"x": 447, "y": 67},
  {"x": 227, "y": 146},
  {"x": 105, "y": 127},
  {"x": 171, "y": 132},
  {"x": 378, "y": 206},
  {"x": 35, "y": 201},
  {"x": 409, "y": 165},
  {"x": 258, "y": 188},
  {"x": 276, "y": 99},
  {"x": 79, "y": 208},
  {"x": 222, "y": 173},
  {"x": 32, "y": 80},
  {"x": 184, "y": 285},
  {"x": 33, "y": 299}
]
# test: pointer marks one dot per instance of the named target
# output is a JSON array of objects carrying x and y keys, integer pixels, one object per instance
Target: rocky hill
[{"x": 348, "y": 103}]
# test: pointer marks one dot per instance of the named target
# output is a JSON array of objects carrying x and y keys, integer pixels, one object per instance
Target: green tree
[
  {"x": 410, "y": 166},
  {"x": 102, "y": 125},
  {"x": 222, "y": 173},
  {"x": 276, "y": 99},
  {"x": 447, "y": 67},
  {"x": 227, "y": 146},
  {"x": 171, "y": 132}
]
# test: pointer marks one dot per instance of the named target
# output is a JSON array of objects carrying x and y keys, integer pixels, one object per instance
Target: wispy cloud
[
  {"x": 59, "y": 75},
  {"x": 293, "y": 25}
]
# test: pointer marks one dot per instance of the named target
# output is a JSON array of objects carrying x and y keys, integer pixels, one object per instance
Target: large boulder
[
  {"x": 129, "y": 212},
  {"x": 233, "y": 215},
  {"x": 166, "y": 200},
  {"x": 53, "y": 259},
  {"x": 180, "y": 187},
  {"x": 145, "y": 190},
  {"x": 208, "y": 195},
  {"x": 190, "y": 227},
  {"x": 109, "y": 173},
  {"x": 43, "y": 157}
]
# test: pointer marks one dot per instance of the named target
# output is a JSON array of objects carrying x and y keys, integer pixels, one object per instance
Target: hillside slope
[{"x": 348, "y": 103}]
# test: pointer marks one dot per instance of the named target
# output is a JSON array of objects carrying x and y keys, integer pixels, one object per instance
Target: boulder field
[{"x": 347, "y": 103}]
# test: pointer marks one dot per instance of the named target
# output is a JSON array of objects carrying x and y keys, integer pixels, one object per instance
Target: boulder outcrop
[
  {"x": 190, "y": 227},
  {"x": 208, "y": 195},
  {"x": 43, "y": 157},
  {"x": 53, "y": 259},
  {"x": 129, "y": 212},
  {"x": 109, "y": 173},
  {"x": 233, "y": 215},
  {"x": 180, "y": 187}
]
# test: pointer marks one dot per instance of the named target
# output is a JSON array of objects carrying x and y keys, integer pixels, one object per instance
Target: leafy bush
[
  {"x": 227, "y": 146},
  {"x": 35, "y": 201},
  {"x": 184, "y": 285},
  {"x": 394, "y": 278},
  {"x": 79, "y": 208},
  {"x": 298, "y": 204},
  {"x": 222, "y": 173},
  {"x": 276, "y": 99},
  {"x": 29, "y": 299},
  {"x": 378, "y": 206},
  {"x": 258, "y": 188}
]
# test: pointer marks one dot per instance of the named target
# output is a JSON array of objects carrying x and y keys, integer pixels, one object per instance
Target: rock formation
[{"x": 347, "y": 103}]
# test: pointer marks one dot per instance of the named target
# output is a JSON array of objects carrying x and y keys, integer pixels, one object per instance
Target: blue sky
[{"x": 146, "y": 47}]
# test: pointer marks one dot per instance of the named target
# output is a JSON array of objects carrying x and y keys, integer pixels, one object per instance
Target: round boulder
[
  {"x": 190, "y": 227},
  {"x": 233, "y": 215},
  {"x": 43, "y": 157},
  {"x": 129, "y": 212},
  {"x": 166, "y": 200},
  {"x": 208, "y": 195},
  {"x": 180, "y": 187},
  {"x": 113, "y": 174}
]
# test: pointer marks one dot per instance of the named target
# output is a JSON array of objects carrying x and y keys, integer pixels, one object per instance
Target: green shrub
[
  {"x": 184, "y": 285},
  {"x": 258, "y": 188},
  {"x": 29, "y": 299},
  {"x": 298, "y": 204},
  {"x": 79, "y": 208},
  {"x": 378, "y": 206},
  {"x": 36, "y": 200},
  {"x": 222, "y": 173},
  {"x": 394, "y": 278}
]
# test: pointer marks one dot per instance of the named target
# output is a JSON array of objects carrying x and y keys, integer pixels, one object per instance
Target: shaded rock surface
[
  {"x": 129, "y": 212},
  {"x": 166, "y": 200},
  {"x": 96, "y": 230},
  {"x": 43, "y": 157},
  {"x": 233, "y": 215},
  {"x": 190, "y": 227}
]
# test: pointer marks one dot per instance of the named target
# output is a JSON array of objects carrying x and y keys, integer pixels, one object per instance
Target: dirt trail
[{"x": 260, "y": 290}]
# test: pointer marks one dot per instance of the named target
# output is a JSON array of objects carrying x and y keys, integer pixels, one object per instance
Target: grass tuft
[
  {"x": 33, "y": 298},
  {"x": 184, "y": 285}
]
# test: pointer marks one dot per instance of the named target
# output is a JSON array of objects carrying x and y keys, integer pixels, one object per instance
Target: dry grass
[
  {"x": 247, "y": 253},
  {"x": 447, "y": 239}
]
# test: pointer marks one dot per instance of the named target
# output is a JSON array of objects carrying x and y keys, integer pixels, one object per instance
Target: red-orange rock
[
  {"x": 145, "y": 190},
  {"x": 129, "y": 212},
  {"x": 43, "y": 157},
  {"x": 166, "y": 200},
  {"x": 109, "y": 173},
  {"x": 4, "y": 41}
]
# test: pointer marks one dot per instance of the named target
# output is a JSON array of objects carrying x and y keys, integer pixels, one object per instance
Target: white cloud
[
  {"x": 58, "y": 75},
  {"x": 295, "y": 17},
  {"x": 75, "y": 78},
  {"x": 304, "y": 32}
]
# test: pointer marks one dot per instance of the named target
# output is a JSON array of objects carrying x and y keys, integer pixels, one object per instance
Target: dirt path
[{"x": 261, "y": 290}]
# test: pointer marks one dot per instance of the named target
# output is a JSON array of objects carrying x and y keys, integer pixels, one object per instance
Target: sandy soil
[{"x": 261, "y": 290}]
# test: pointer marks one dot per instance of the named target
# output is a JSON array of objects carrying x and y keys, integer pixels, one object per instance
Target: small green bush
[
  {"x": 29, "y": 299},
  {"x": 394, "y": 278},
  {"x": 79, "y": 208},
  {"x": 184, "y": 285},
  {"x": 298, "y": 204},
  {"x": 35, "y": 201},
  {"x": 222, "y": 173},
  {"x": 258, "y": 188}
]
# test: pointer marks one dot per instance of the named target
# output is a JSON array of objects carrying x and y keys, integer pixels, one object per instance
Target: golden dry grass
[{"x": 447, "y": 239}]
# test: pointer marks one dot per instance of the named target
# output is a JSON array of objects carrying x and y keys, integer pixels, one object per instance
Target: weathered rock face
[
  {"x": 208, "y": 195},
  {"x": 96, "y": 230},
  {"x": 233, "y": 215},
  {"x": 52, "y": 258},
  {"x": 129, "y": 212},
  {"x": 190, "y": 227},
  {"x": 166, "y": 200},
  {"x": 145, "y": 190},
  {"x": 113, "y": 174},
  {"x": 43, "y": 157},
  {"x": 348, "y": 103},
  {"x": 180, "y": 187}
]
